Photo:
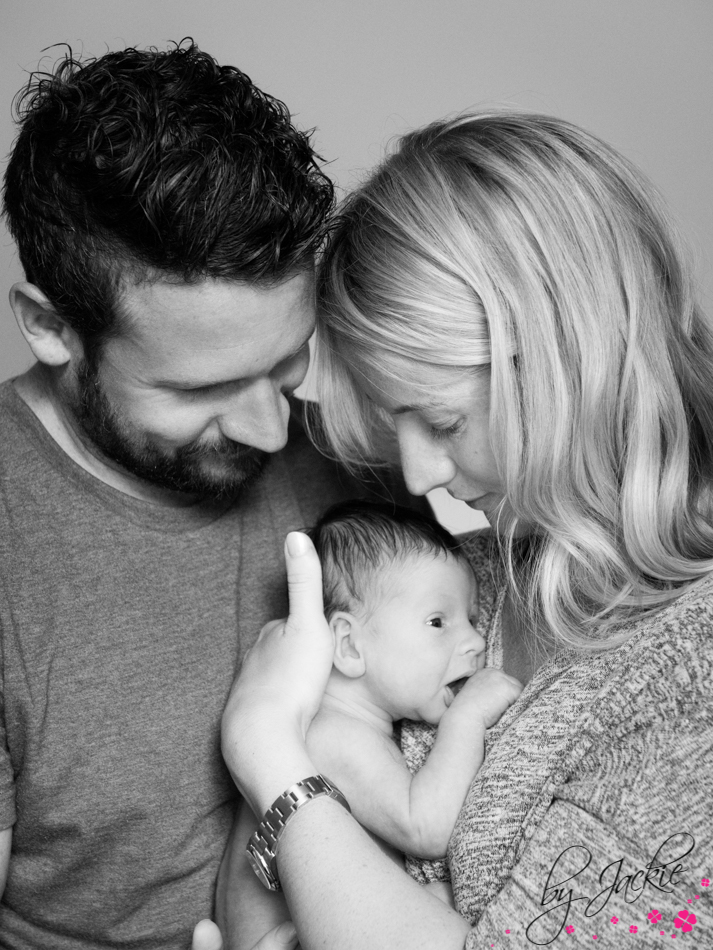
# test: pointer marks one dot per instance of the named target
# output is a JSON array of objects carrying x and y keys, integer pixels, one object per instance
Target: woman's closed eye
[{"x": 447, "y": 432}]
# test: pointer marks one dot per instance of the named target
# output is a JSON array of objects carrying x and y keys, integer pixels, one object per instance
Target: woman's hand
[
  {"x": 206, "y": 936},
  {"x": 343, "y": 891},
  {"x": 280, "y": 687}
]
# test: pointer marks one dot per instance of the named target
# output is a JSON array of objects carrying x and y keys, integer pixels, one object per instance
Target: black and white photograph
[{"x": 356, "y": 475}]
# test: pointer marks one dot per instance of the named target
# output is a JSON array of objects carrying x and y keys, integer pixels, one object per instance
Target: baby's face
[{"x": 420, "y": 638}]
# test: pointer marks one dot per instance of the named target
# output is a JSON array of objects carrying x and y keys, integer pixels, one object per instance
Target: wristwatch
[{"x": 262, "y": 846}]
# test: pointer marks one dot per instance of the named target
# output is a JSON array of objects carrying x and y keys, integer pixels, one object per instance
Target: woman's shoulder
[
  {"x": 682, "y": 630},
  {"x": 662, "y": 672},
  {"x": 666, "y": 666}
]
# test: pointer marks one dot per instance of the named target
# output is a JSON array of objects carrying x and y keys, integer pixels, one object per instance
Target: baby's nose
[{"x": 476, "y": 643}]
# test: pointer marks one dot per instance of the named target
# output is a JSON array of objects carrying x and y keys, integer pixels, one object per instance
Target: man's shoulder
[
  {"x": 19, "y": 428},
  {"x": 10, "y": 403}
]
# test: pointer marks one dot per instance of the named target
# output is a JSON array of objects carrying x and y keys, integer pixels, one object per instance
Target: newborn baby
[{"x": 402, "y": 602}]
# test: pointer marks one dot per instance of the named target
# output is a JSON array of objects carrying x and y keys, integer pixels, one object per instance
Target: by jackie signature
[{"x": 662, "y": 873}]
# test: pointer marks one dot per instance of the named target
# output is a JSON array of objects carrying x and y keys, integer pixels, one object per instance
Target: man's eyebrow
[{"x": 189, "y": 383}]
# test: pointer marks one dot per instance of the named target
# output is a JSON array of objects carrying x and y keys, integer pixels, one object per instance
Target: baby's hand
[{"x": 487, "y": 694}]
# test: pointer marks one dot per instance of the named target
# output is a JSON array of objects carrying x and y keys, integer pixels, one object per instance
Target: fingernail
[{"x": 296, "y": 543}]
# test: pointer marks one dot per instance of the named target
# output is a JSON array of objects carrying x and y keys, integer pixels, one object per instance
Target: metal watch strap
[{"x": 262, "y": 846}]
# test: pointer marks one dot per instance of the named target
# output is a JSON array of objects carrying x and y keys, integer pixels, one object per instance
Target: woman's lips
[{"x": 478, "y": 503}]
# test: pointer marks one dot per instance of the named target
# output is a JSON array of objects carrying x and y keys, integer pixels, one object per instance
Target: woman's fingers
[
  {"x": 304, "y": 578},
  {"x": 280, "y": 687},
  {"x": 282, "y": 937},
  {"x": 206, "y": 936},
  {"x": 291, "y": 660}
]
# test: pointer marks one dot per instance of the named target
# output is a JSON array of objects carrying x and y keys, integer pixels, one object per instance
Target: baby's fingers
[{"x": 507, "y": 687}]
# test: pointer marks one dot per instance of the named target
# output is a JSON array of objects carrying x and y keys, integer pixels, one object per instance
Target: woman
[{"x": 505, "y": 304}]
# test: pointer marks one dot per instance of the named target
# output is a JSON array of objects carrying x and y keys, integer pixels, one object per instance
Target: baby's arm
[
  {"x": 441, "y": 785},
  {"x": 249, "y": 910},
  {"x": 413, "y": 813}
]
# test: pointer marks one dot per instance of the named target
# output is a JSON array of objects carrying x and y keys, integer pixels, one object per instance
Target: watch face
[{"x": 262, "y": 869}]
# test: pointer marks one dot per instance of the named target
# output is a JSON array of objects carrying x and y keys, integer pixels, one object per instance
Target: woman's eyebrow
[{"x": 416, "y": 407}]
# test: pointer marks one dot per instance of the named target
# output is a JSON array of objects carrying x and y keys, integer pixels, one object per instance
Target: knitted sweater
[{"x": 603, "y": 768}]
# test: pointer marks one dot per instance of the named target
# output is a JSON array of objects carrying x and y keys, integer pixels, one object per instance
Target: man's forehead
[{"x": 215, "y": 326}]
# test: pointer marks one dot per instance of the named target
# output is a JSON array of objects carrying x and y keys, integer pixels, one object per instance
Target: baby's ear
[{"x": 348, "y": 656}]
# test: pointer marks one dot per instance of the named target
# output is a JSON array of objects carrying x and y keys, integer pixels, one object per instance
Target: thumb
[
  {"x": 206, "y": 936},
  {"x": 304, "y": 579},
  {"x": 283, "y": 937}
]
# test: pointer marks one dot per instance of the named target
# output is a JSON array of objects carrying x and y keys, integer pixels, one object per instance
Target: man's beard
[{"x": 218, "y": 470}]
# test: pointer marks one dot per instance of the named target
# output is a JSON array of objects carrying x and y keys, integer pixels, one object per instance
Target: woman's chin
[
  {"x": 493, "y": 506},
  {"x": 500, "y": 515}
]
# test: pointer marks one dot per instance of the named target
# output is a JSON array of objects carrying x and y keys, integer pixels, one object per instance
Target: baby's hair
[{"x": 357, "y": 540}]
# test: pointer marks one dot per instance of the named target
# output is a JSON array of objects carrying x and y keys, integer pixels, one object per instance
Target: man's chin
[
  {"x": 209, "y": 478},
  {"x": 224, "y": 485}
]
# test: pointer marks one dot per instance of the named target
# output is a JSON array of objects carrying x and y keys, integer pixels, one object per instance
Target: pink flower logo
[
  {"x": 569, "y": 928},
  {"x": 633, "y": 929},
  {"x": 615, "y": 920},
  {"x": 654, "y": 916},
  {"x": 685, "y": 920},
  {"x": 705, "y": 882}
]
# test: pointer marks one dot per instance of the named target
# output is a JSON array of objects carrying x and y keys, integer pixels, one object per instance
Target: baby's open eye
[{"x": 435, "y": 622}]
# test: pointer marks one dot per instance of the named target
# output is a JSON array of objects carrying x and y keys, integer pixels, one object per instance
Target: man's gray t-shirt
[{"x": 121, "y": 627}]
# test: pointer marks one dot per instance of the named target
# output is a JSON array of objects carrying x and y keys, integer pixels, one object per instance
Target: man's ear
[
  {"x": 52, "y": 341},
  {"x": 348, "y": 655}
]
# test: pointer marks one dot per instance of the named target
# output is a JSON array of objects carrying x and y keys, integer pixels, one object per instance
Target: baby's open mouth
[
  {"x": 454, "y": 687},
  {"x": 457, "y": 685}
]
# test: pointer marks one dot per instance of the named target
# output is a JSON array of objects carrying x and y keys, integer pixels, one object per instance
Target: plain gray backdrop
[{"x": 639, "y": 73}]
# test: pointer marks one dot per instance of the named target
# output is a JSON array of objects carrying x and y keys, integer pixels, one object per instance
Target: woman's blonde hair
[{"x": 522, "y": 243}]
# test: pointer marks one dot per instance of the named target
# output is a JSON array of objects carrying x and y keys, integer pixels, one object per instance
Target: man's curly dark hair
[{"x": 144, "y": 162}]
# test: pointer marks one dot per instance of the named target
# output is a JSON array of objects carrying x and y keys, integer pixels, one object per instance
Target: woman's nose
[{"x": 425, "y": 465}]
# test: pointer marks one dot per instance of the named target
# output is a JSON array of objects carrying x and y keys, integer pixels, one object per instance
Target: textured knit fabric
[
  {"x": 604, "y": 757},
  {"x": 121, "y": 626}
]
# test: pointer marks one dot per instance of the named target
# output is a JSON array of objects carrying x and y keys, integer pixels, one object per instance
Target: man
[{"x": 167, "y": 216}]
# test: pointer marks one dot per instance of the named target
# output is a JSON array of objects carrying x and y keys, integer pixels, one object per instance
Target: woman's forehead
[{"x": 414, "y": 387}]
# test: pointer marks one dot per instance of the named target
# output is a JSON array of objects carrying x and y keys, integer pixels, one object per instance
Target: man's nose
[{"x": 257, "y": 416}]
